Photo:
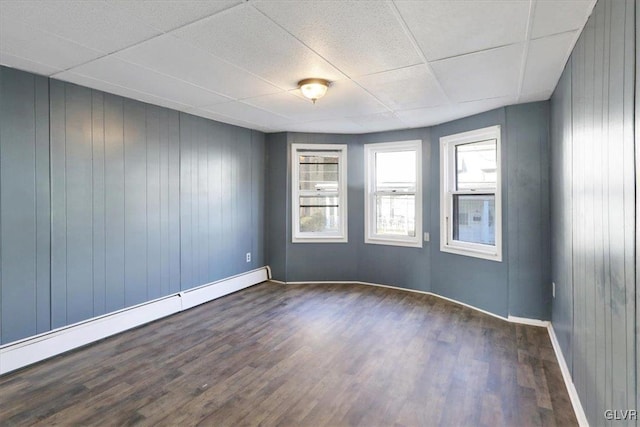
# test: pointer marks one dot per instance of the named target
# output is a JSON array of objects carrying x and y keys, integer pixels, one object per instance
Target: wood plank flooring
[{"x": 302, "y": 355}]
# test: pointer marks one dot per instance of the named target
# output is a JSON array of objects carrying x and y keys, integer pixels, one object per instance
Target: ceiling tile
[
  {"x": 448, "y": 28},
  {"x": 166, "y": 15},
  {"x": 546, "y": 59},
  {"x": 338, "y": 125},
  {"x": 241, "y": 111},
  {"x": 557, "y": 16},
  {"x": 26, "y": 64},
  {"x": 248, "y": 39},
  {"x": 344, "y": 98},
  {"x": 90, "y": 23},
  {"x": 35, "y": 45},
  {"x": 432, "y": 116},
  {"x": 406, "y": 88},
  {"x": 357, "y": 37},
  {"x": 70, "y": 77},
  {"x": 488, "y": 74},
  {"x": 230, "y": 120},
  {"x": 378, "y": 122},
  {"x": 177, "y": 58},
  {"x": 113, "y": 70}
]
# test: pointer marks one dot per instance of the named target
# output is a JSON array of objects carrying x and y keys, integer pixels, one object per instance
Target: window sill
[
  {"x": 394, "y": 242},
  {"x": 489, "y": 256}
]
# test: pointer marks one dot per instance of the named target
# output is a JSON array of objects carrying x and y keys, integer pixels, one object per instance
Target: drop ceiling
[{"x": 393, "y": 64}]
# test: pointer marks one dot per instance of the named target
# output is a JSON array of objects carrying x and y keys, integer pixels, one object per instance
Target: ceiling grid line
[{"x": 525, "y": 51}]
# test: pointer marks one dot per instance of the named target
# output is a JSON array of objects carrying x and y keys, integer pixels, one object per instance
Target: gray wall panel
[
  {"x": 527, "y": 182},
  {"x": 58, "y": 204},
  {"x": 135, "y": 197},
  {"x": 562, "y": 214},
  {"x": 78, "y": 208},
  {"x": 23, "y": 218},
  {"x": 114, "y": 202},
  {"x": 594, "y": 212},
  {"x": 43, "y": 207},
  {"x": 276, "y": 214},
  {"x": 98, "y": 204}
]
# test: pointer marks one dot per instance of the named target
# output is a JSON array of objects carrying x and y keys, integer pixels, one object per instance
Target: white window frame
[
  {"x": 370, "y": 151},
  {"x": 448, "y": 190},
  {"x": 341, "y": 236}
]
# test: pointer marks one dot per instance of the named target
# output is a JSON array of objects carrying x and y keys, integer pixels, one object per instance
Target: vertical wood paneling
[
  {"x": 153, "y": 207},
  {"x": 135, "y": 220},
  {"x": 114, "y": 202},
  {"x": 98, "y": 208},
  {"x": 129, "y": 215},
  {"x": 79, "y": 209},
  {"x": 24, "y": 248},
  {"x": 58, "y": 204},
  {"x": 562, "y": 213},
  {"x": 216, "y": 199},
  {"x": 602, "y": 343}
]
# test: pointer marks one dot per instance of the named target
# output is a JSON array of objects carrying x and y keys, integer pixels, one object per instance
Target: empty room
[{"x": 319, "y": 213}]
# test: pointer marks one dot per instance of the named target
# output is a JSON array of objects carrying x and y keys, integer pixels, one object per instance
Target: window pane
[
  {"x": 474, "y": 218},
  {"x": 318, "y": 172},
  {"x": 396, "y": 171},
  {"x": 319, "y": 219},
  {"x": 395, "y": 214},
  {"x": 476, "y": 165}
]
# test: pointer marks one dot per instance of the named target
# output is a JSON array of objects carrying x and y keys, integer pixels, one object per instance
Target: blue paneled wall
[{"x": 106, "y": 202}]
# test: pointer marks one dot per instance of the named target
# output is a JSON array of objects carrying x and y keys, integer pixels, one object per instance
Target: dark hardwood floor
[{"x": 303, "y": 355}]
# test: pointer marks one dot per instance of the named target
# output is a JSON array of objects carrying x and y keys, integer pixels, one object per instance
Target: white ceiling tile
[
  {"x": 545, "y": 61},
  {"x": 116, "y": 71},
  {"x": 248, "y": 39},
  {"x": 432, "y": 116},
  {"x": 487, "y": 74},
  {"x": 357, "y": 37},
  {"x": 448, "y": 28},
  {"x": 35, "y": 45},
  {"x": 378, "y": 122},
  {"x": 241, "y": 111},
  {"x": 70, "y": 77},
  {"x": 344, "y": 98},
  {"x": 26, "y": 64},
  {"x": 406, "y": 88},
  {"x": 177, "y": 58},
  {"x": 557, "y": 16},
  {"x": 166, "y": 15},
  {"x": 230, "y": 120},
  {"x": 338, "y": 125},
  {"x": 91, "y": 23}
]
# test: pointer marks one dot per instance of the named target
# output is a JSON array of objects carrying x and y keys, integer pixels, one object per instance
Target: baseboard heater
[{"x": 22, "y": 353}]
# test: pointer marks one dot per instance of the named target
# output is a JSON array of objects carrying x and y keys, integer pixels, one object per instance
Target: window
[
  {"x": 470, "y": 194},
  {"x": 319, "y": 193},
  {"x": 393, "y": 204}
]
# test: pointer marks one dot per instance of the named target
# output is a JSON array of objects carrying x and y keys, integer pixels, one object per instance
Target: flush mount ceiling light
[{"x": 313, "y": 89}]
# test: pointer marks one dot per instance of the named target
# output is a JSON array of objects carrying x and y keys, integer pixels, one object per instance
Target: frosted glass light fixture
[{"x": 313, "y": 89}]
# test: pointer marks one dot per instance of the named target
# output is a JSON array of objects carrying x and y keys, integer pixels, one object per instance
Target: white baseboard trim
[
  {"x": 568, "y": 381},
  {"x": 528, "y": 321},
  {"x": 25, "y": 352}
]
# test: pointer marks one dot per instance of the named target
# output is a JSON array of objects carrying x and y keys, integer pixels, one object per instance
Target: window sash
[
  {"x": 374, "y": 192},
  {"x": 449, "y": 190},
  {"x": 326, "y": 204}
]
